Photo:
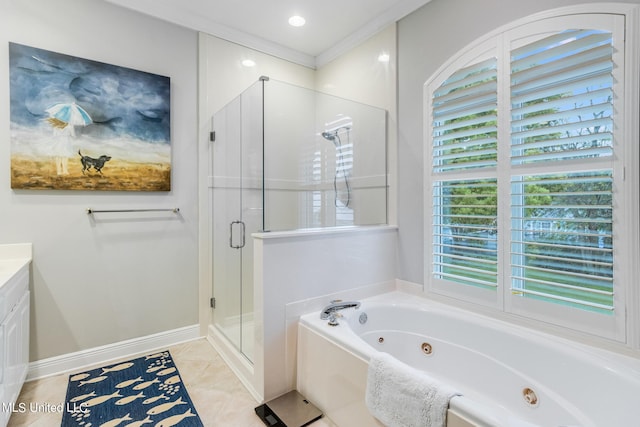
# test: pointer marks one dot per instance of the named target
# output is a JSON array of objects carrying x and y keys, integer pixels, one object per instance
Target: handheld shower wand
[{"x": 334, "y": 137}]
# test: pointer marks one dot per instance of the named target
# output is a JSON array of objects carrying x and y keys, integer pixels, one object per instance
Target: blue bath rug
[{"x": 144, "y": 391}]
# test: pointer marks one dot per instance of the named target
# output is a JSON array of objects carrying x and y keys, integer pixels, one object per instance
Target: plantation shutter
[
  {"x": 464, "y": 154},
  {"x": 465, "y": 119},
  {"x": 561, "y": 170}
]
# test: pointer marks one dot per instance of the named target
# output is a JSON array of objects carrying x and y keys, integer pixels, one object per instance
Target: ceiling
[{"x": 332, "y": 26}]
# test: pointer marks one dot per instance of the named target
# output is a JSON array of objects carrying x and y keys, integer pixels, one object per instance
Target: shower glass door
[
  {"x": 285, "y": 158},
  {"x": 236, "y": 205}
]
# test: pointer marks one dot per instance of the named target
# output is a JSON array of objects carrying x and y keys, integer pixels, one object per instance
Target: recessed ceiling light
[
  {"x": 297, "y": 21},
  {"x": 249, "y": 63},
  {"x": 383, "y": 57}
]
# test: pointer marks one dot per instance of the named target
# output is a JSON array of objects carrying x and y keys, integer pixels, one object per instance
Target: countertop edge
[{"x": 16, "y": 251}]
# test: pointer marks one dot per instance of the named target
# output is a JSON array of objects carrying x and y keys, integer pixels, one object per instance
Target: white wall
[
  {"x": 426, "y": 39},
  {"x": 113, "y": 277}
]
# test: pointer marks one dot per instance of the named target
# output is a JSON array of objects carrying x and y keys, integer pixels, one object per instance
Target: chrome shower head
[{"x": 330, "y": 136}]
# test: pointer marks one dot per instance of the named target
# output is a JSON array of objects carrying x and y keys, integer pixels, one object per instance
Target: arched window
[{"x": 525, "y": 145}]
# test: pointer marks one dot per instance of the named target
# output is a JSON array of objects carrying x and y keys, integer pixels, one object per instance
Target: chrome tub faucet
[{"x": 337, "y": 305}]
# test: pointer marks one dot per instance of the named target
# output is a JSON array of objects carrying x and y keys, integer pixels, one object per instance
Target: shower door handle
[
  {"x": 242, "y": 234},
  {"x": 243, "y": 228}
]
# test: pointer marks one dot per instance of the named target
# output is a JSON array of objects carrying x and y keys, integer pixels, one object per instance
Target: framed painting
[{"x": 78, "y": 124}]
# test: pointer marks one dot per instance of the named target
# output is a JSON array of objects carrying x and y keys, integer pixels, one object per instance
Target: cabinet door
[
  {"x": 11, "y": 350},
  {"x": 4, "y": 415},
  {"x": 23, "y": 312},
  {"x": 16, "y": 351}
]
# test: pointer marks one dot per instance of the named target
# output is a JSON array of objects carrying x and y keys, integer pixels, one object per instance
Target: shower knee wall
[{"x": 297, "y": 272}]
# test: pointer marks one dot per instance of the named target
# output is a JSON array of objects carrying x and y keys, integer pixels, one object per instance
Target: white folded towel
[{"x": 401, "y": 396}]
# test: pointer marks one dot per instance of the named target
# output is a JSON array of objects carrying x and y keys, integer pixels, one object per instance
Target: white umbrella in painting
[
  {"x": 64, "y": 117},
  {"x": 69, "y": 114}
]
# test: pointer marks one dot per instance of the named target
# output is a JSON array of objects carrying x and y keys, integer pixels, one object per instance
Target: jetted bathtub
[{"x": 507, "y": 375}]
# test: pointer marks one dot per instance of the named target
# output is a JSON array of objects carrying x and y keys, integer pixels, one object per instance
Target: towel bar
[{"x": 92, "y": 211}]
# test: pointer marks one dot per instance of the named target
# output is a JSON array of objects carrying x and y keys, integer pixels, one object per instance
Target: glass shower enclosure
[{"x": 282, "y": 158}]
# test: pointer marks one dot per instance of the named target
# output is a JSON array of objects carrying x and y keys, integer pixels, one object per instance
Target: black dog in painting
[{"x": 89, "y": 162}]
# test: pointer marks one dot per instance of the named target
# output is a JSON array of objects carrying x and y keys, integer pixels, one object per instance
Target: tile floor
[{"x": 219, "y": 397}]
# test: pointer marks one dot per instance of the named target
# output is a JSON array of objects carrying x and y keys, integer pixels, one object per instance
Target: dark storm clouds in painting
[{"x": 64, "y": 108}]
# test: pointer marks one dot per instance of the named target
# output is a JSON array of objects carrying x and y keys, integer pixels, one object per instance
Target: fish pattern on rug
[{"x": 146, "y": 390}]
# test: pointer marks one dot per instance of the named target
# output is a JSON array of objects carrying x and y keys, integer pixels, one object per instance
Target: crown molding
[
  {"x": 200, "y": 23},
  {"x": 383, "y": 20}
]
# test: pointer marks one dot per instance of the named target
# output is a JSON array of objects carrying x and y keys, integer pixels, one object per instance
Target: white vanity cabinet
[{"x": 14, "y": 327}]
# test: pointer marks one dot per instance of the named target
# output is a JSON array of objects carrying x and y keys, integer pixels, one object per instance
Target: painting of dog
[
  {"x": 90, "y": 162},
  {"x": 62, "y": 107}
]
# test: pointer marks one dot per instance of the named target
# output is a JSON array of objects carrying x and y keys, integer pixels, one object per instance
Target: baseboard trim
[{"x": 103, "y": 354}]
